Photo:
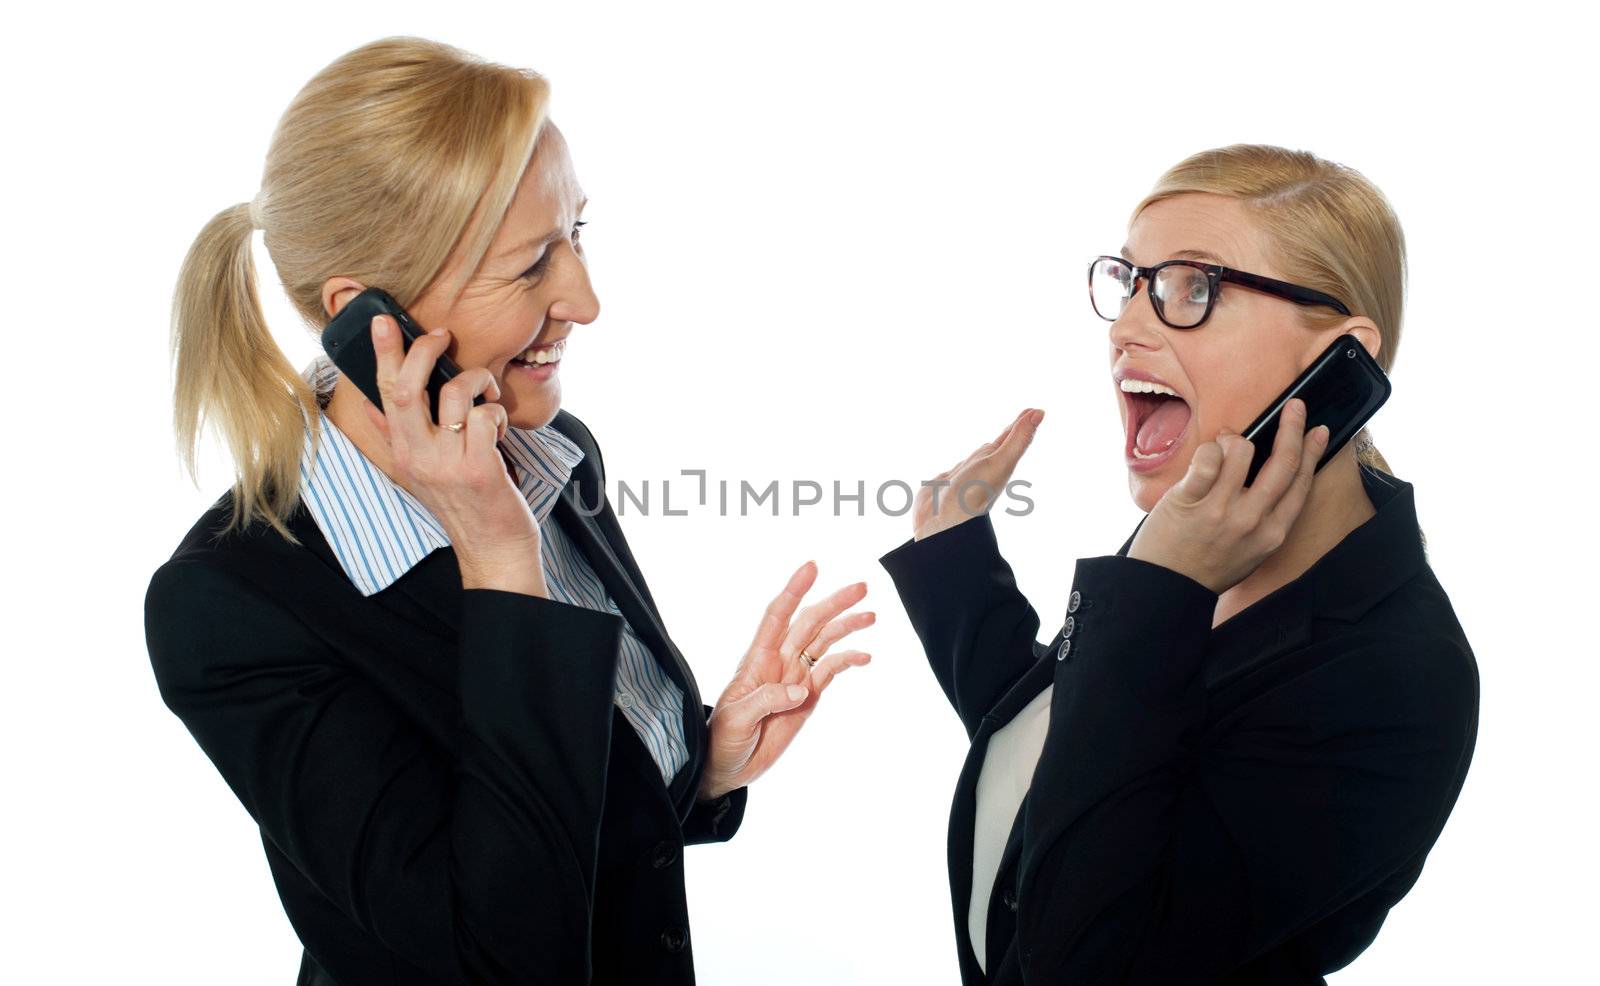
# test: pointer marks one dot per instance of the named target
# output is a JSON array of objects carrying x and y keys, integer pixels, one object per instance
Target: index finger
[
  {"x": 1019, "y": 438},
  {"x": 775, "y": 620},
  {"x": 1283, "y": 465},
  {"x": 405, "y": 399},
  {"x": 811, "y": 621}
]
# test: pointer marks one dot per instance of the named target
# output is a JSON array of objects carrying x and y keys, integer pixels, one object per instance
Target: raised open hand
[
  {"x": 775, "y": 688},
  {"x": 970, "y": 487}
]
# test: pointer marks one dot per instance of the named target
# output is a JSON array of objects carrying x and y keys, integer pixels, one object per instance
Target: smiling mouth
[
  {"x": 542, "y": 355},
  {"x": 1155, "y": 423}
]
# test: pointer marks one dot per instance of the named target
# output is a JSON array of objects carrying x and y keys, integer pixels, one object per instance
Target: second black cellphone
[
  {"x": 1342, "y": 388},
  {"x": 347, "y": 339}
]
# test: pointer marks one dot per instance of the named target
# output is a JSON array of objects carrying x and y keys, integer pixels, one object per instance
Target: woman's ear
[
  {"x": 1366, "y": 330},
  {"x": 337, "y": 292}
]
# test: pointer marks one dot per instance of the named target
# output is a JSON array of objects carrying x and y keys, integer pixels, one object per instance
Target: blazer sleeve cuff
[
  {"x": 716, "y": 820},
  {"x": 1139, "y": 625},
  {"x": 537, "y": 679},
  {"x": 976, "y": 628},
  {"x": 941, "y": 567},
  {"x": 1137, "y": 647}
]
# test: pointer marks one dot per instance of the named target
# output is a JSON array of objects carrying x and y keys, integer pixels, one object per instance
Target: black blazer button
[
  {"x": 1073, "y": 601},
  {"x": 663, "y": 855},
  {"x": 1061, "y": 655},
  {"x": 1071, "y": 623},
  {"x": 1009, "y": 898},
  {"x": 673, "y": 939}
]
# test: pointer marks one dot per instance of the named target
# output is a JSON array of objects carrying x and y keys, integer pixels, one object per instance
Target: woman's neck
[{"x": 1338, "y": 504}]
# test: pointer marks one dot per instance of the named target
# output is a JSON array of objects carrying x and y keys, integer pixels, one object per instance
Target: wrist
[
  {"x": 529, "y": 581},
  {"x": 710, "y": 789}
]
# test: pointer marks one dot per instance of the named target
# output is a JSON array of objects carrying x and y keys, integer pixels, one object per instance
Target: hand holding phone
[
  {"x": 1342, "y": 388},
  {"x": 1212, "y": 525},
  {"x": 347, "y": 339},
  {"x": 491, "y": 528}
]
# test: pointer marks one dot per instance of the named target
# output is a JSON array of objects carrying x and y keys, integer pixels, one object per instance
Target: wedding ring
[
  {"x": 455, "y": 427},
  {"x": 810, "y": 661}
]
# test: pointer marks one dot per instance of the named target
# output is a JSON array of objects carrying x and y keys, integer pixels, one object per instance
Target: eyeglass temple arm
[{"x": 1292, "y": 291}]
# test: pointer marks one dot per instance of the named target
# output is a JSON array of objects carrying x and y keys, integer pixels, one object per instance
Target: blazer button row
[{"x": 1066, "y": 631}]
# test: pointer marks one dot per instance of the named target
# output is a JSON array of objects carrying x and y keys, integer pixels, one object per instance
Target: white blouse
[{"x": 1008, "y": 766}]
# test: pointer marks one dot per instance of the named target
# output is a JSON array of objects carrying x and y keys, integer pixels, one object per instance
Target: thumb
[{"x": 767, "y": 700}]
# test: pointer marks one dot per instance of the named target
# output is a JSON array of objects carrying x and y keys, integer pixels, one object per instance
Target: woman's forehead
[{"x": 1198, "y": 226}]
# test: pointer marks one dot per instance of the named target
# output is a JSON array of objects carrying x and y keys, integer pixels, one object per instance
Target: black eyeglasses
[{"x": 1183, "y": 291}]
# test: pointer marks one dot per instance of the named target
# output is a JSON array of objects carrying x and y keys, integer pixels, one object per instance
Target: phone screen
[{"x": 1342, "y": 388}]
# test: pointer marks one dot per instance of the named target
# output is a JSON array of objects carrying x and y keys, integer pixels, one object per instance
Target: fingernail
[
  {"x": 796, "y": 693},
  {"x": 380, "y": 327},
  {"x": 1322, "y": 433},
  {"x": 436, "y": 332}
]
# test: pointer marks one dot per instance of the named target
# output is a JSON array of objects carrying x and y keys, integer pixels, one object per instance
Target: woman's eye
[
  {"x": 544, "y": 261},
  {"x": 538, "y": 266}
]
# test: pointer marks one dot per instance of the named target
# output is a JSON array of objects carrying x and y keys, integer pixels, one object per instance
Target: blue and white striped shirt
[{"x": 378, "y": 531}]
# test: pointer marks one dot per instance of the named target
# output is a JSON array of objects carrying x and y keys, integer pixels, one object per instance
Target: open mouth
[{"x": 1156, "y": 425}]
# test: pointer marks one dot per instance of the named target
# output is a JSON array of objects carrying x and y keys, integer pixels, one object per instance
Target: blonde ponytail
[{"x": 227, "y": 366}]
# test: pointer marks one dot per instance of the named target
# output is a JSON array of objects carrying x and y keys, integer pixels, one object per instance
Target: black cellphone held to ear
[
  {"x": 347, "y": 339},
  {"x": 1342, "y": 388}
]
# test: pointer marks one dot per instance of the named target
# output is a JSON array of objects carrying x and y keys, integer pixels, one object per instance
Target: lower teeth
[{"x": 1153, "y": 455}]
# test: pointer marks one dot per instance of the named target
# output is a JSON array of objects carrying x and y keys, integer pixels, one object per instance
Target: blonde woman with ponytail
[
  {"x": 1233, "y": 756},
  {"x": 420, "y": 652}
]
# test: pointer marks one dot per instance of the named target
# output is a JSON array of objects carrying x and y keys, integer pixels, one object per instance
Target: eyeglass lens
[{"x": 1180, "y": 292}]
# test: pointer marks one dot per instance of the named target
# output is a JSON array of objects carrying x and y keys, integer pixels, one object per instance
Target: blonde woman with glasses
[{"x": 1234, "y": 754}]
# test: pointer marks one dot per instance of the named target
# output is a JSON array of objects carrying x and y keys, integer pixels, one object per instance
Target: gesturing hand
[
  {"x": 970, "y": 487},
  {"x": 773, "y": 692},
  {"x": 1209, "y": 527}
]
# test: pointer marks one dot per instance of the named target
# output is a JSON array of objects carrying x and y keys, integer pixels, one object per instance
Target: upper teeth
[
  {"x": 1133, "y": 386},
  {"x": 547, "y": 354}
]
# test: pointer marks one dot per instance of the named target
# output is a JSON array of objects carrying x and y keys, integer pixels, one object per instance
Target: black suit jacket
[
  {"x": 1232, "y": 805},
  {"x": 445, "y": 791}
]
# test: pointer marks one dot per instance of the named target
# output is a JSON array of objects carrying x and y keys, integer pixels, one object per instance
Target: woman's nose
[
  {"x": 1137, "y": 323},
  {"x": 577, "y": 301}
]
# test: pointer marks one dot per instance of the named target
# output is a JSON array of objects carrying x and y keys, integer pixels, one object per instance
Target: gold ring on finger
[
  {"x": 455, "y": 427},
  {"x": 810, "y": 661}
]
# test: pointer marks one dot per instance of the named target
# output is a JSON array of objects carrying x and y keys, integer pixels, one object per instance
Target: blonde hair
[
  {"x": 384, "y": 160},
  {"x": 1330, "y": 229}
]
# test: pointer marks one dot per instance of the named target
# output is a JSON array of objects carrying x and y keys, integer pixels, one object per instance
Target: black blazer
[
  {"x": 444, "y": 789},
  {"x": 1233, "y": 805}
]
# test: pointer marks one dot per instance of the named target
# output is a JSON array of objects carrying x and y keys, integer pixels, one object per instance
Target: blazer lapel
[{"x": 624, "y": 582}]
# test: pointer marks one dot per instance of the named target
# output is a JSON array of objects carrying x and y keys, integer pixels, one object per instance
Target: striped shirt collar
[{"x": 376, "y": 528}]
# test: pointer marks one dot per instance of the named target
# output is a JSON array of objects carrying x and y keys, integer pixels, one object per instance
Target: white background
[{"x": 831, "y": 242}]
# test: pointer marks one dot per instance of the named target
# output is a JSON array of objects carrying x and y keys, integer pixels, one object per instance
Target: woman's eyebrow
[
  {"x": 539, "y": 242},
  {"x": 533, "y": 243}
]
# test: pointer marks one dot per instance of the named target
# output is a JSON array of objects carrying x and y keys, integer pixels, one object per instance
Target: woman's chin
[
  {"x": 1147, "y": 491},
  {"x": 531, "y": 404},
  {"x": 530, "y": 415}
]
